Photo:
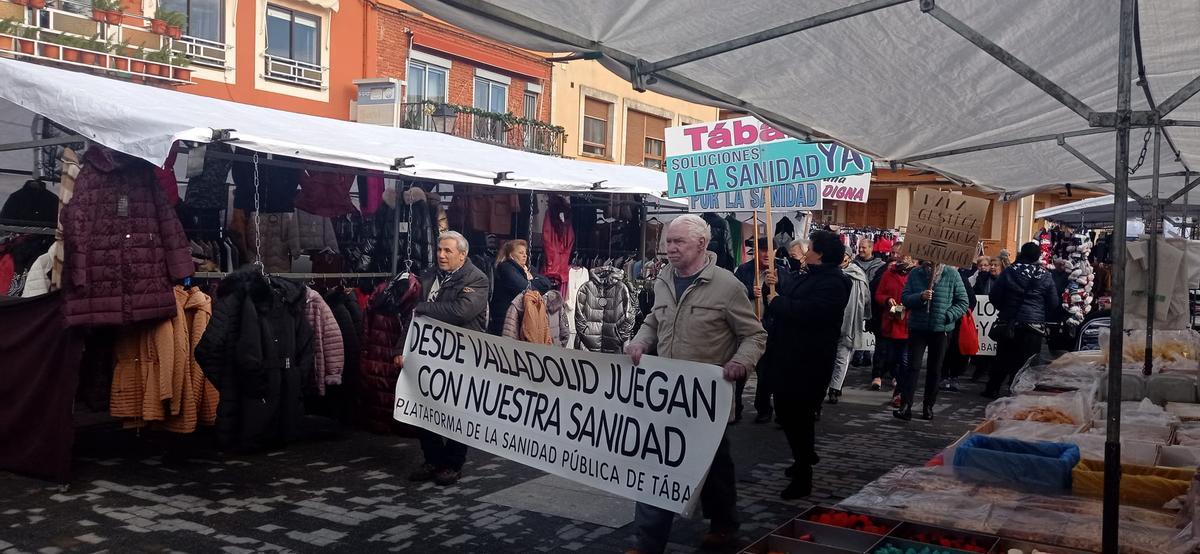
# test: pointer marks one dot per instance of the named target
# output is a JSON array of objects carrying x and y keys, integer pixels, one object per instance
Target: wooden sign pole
[{"x": 758, "y": 306}]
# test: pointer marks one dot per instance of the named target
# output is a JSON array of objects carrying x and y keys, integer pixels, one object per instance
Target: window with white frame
[
  {"x": 293, "y": 35},
  {"x": 426, "y": 82},
  {"x": 596, "y": 130},
  {"x": 531, "y": 106},
  {"x": 205, "y": 18},
  {"x": 490, "y": 96}
]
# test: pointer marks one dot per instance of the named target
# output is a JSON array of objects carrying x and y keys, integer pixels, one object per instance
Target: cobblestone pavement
[{"x": 348, "y": 492}]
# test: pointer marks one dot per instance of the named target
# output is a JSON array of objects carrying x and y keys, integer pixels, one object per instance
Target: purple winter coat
[{"x": 124, "y": 244}]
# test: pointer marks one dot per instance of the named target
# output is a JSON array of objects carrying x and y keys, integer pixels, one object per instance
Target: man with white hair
[
  {"x": 702, "y": 314},
  {"x": 456, "y": 293}
]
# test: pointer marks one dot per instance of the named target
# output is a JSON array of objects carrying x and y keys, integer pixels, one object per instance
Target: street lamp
[{"x": 444, "y": 117}]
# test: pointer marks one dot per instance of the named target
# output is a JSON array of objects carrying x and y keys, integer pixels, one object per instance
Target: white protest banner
[
  {"x": 985, "y": 318},
  {"x": 647, "y": 433},
  {"x": 944, "y": 227},
  {"x": 795, "y": 196},
  {"x": 851, "y": 188}
]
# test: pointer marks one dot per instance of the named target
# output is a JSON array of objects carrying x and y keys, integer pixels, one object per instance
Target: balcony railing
[
  {"x": 295, "y": 72},
  {"x": 493, "y": 128},
  {"x": 203, "y": 52}
]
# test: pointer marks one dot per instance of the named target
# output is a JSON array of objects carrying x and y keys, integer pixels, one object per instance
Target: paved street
[{"x": 349, "y": 493}]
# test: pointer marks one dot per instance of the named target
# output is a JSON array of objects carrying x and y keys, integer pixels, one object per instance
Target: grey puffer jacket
[
  {"x": 604, "y": 311},
  {"x": 555, "y": 313}
]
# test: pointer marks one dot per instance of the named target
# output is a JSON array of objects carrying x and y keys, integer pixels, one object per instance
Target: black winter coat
[
  {"x": 349, "y": 318},
  {"x": 805, "y": 326},
  {"x": 462, "y": 299},
  {"x": 605, "y": 312},
  {"x": 1025, "y": 293},
  {"x": 509, "y": 282},
  {"x": 258, "y": 352}
]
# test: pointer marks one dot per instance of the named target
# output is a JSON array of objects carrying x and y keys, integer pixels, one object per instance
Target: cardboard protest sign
[
  {"x": 944, "y": 227},
  {"x": 985, "y": 318},
  {"x": 745, "y": 153},
  {"x": 645, "y": 432}
]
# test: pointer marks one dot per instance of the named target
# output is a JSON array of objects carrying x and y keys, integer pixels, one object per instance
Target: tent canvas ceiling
[
  {"x": 894, "y": 83},
  {"x": 144, "y": 121}
]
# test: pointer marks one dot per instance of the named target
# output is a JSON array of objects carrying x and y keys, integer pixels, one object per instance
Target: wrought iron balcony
[{"x": 490, "y": 127}]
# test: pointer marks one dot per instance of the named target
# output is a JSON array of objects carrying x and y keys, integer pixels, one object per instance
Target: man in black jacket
[
  {"x": 456, "y": 293},
  {"x": 804, "y": 325}
]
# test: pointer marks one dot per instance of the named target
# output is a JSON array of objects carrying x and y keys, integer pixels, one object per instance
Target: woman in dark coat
[
  {"x": 513, "y": 278},
  {"x": 1026, "y": 298},
  {"x": 804, "y": 323}
]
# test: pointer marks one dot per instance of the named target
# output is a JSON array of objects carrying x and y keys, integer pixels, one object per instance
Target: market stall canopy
[
  {"x": 1098, "y": 211},
  {"x": 145, "y": 121},
  {"x": 892, "y": 81}
]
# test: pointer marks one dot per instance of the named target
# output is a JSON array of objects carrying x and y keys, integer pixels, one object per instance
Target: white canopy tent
[
  {"x": 1012, "y": 95},
  {"x": 145, "y": 121},
  {"x": 1099, "y": 211}
]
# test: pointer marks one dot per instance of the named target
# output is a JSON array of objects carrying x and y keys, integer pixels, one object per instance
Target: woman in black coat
[
  {"x": 804, "y": 323},
  {"x": 513, "y": 278},
  {"x": 1025, "y": 298}
]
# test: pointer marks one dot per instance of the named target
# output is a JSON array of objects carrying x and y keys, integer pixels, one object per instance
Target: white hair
[
  {"x": 695, "y": 226},
  {"x": 456, "y": 237},
  {"x": 798, "y": 242}
]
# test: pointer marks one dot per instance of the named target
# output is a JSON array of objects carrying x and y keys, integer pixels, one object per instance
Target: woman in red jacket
[{"x": 893, "y": 336}]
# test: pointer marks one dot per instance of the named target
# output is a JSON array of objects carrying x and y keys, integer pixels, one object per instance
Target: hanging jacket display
[
  {"x": 370, "y": 193},
  {"x": 719, "y": 243},
  {"x": 156, "y": 378},
  {"x": 558, "y": 238},
  {"x": 209, "y": 191},
  {"x": 277, "y": 187},
  {"x": 604, "y": 311},
  {"x": 123, "y": 244},
  {"x": 258, "y": 352},
  {"x": 279, "y": 238},
  {"x": 165, "y": 176},
  {"x": 349, "y": 317},
  {"x": 31, "y": 204},
  {"x": 527, "y": 319},
  {"x": 329, "y": 355},
  {"x": 316, "y": 233},
  {"x": 325, "y": 194},
  {"x": 389, "y": 312}
]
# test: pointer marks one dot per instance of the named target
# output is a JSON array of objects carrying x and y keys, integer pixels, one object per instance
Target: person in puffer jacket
[
  {"x": 936, "y": 299},
  {"x": 556, "y": 317},
  {"x": 604, "y": 312},
  {"x": 1025, "y": 297}
]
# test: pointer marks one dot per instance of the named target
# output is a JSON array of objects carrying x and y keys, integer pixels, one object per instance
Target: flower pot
[
  {"x": 50, "y": 50},
  {"x": 26, "y": 46},
  {"x": 154, "y": 69},
  {"x": 158, "y": 26},
  {"x": 97, "y": 14},
  {"x": 113, "y": 18},
  {"x": 70, "y": 55},
  {"x": 36, "y": 4},
  {"x": 121, "y": 64},
  {"x": 183, "y": 74},
  {"x": 6, "y": 43},
  {"x": 101, "y": 60},
  {"x": 87, "y": 57},
  {"x": 21, "y": 2},
  {"x": 137, "y": 66},
  {"x": 174, "y": 32}
]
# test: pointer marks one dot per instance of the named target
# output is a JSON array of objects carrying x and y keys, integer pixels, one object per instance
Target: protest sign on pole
[
  {"x": 794, "y": 196},
  {"x": 851, "y": 188},
  {"x": 648, "y": 432},
  {"x": 944, "y": 227},
  {"x": 985, "y": 318},
  {"x": 745, "y": 153}
]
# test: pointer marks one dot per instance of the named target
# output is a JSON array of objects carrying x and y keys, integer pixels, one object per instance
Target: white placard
[
  {"x": 647, "y": 433},
  {"x": 985, "y": 318}
]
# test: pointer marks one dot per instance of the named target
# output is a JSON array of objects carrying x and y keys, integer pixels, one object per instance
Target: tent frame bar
[
  {"x": 815, "y": 21},
  {"x": 1186, "y": 188},
  {"x": 55, "y": 141}
]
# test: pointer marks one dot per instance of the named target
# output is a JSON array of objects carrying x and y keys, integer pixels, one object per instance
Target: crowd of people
[{"x": 795, "y": 322}]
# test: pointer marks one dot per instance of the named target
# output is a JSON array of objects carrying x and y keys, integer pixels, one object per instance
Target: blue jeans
[{"x": 718, "y": 500}]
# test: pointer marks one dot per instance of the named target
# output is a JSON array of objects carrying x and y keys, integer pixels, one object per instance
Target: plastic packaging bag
[
  {"x": 1031, "y": 431},
  {"x": 1091, "y": 447},
  {"x": 1084, "y": 377},
  {"x": 1072, "y": 408},
  {"x": 1172, "y": 349},
  {"x": 1149, "y": 487},
  {"x": 1143, "y": 412}
]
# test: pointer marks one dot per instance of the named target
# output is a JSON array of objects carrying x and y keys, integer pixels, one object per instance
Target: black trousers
[
  {"x": 919, "y": 343},
  {"x": 718, "y": 501},
  {"x": 1011, "y": 356},
  {"x": 955, "y": 364},
  {"x": 762, "y": 391},
  {"x": 738, "y": 388},
  {"x": 798, "y": 417},
  {"x": 442, "y": 452}
]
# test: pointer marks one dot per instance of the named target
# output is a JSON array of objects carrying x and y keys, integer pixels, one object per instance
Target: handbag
[
  {"x": 968, "y": 338},
  {"x": 1002, "y": 331}
]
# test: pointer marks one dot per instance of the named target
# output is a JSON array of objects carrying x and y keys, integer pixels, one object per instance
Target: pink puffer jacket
[{"x": 329, "y": 355}]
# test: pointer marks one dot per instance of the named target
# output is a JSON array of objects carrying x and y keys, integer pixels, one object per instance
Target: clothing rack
[
  {"x": 28, "y": 230},
  {"x": 222, "y": 274}
]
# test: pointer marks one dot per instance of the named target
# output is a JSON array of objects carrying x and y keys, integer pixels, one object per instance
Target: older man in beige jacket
[{"x": 700, "y": 314}]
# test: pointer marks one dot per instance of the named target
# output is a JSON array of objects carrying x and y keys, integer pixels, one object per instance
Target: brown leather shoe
[{"x": 716, "y": 540}]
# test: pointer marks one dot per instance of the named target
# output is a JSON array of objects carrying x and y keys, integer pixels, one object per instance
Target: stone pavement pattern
[{"x": 349, "y": 492}]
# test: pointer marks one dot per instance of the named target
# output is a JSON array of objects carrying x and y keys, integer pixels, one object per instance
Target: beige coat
[{"x": 712, "y": 323}]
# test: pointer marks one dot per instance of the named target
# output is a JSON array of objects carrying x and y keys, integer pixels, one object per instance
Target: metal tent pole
[
  {"x": 1112, "y": 442},
  {"x": 396, "y": 225},
  {"x": 1155, "y": 223}
]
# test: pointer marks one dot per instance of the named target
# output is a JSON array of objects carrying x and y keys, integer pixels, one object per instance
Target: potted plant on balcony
[
  {"x": 137, "y": 65},
  {"x": 158, "y": 23},
  {"x": 158, "y": 63},
  {"x": 8, "y": 26},
  {"x": 71, "y": 48},
  {"x": 26, "y": 43},
  {"x": 176, "y": 21},
  {"x": 181, "y": 63},
  {"x": 50, "y": 46},
  {"x": 107, "y": 10},
  {"x": 120, "y": 62}
]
